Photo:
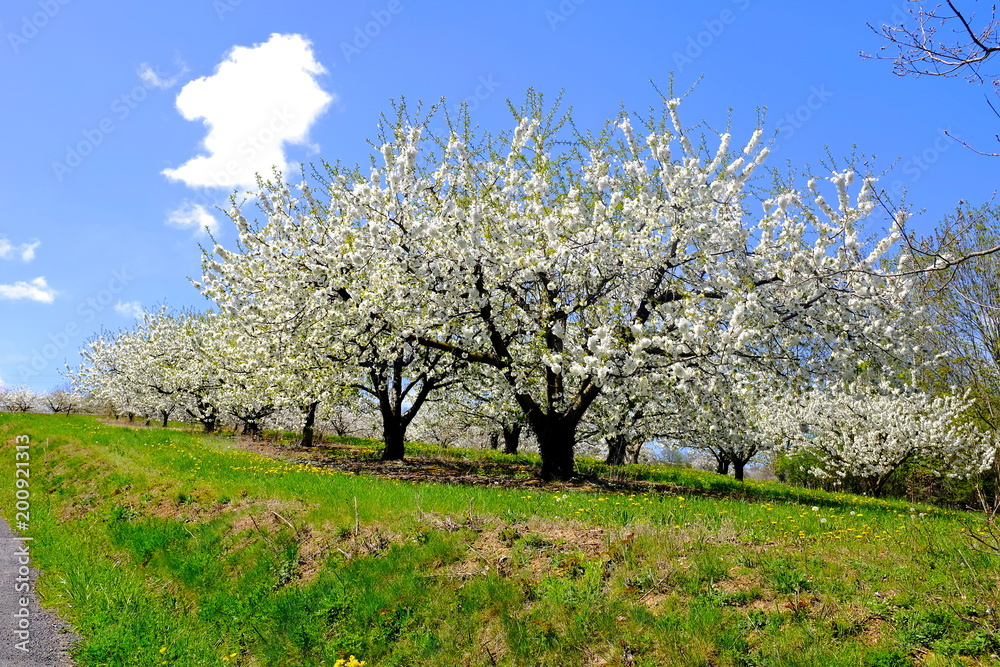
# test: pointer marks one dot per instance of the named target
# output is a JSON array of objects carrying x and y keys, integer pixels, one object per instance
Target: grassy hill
[{"x": 169, "y": 547}]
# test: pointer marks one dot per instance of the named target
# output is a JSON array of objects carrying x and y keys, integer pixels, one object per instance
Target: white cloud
[
  {"x": 26, "y": 250},
  {"x": 259, "y": 99},
  {"x": 153, "y": 79},
  {"x": 193, "y": 216},
  {"x": 36, "y": 290},
  {"x": 129, "y": 309}
]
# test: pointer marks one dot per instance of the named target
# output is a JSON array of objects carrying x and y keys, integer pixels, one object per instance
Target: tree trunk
[
  {"x": 209, "y": 424},
  {"x": 494, "y": 440},
  {"x": 511, "y": 438},
  {"x": 307, "y": 429},
  {"x": 617, "y": 450},
  {"x": 722, "y": 464},
  {"x": 738, "y": 466},
  {"x": 394, "y": 434},
  {"x": 389, "y": 385},
  {"x": 556, "y": 440}
]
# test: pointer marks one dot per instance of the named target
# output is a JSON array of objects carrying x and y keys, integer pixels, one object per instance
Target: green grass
[{"x": 169, "y": 547}]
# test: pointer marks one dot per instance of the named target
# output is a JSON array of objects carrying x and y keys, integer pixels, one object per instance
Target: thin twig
[{"x": 289, "y": 523}]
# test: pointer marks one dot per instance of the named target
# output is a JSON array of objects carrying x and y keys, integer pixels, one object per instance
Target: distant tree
[
  {"x": 63, "y": 400},
  {"x": 18, "y": 399},
  {"x": 964, "y": 305},
  {"x": 863, "y": 433},
  {"x": 154, "y": 369}
]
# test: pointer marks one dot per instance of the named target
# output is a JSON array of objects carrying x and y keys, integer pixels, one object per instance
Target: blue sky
[{"x": 123, "y": 123}]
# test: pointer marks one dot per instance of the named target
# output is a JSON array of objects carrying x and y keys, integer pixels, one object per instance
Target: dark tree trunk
[
  {"x": 556, "y": 440},
  {"x": 308, "y": 427},
  {"x": 722, "y": 464},
  {"x": 392, "y": 391},
  {"x": 166, "y": 416},
  {"x": 207, "y": 416},
  {"x": 494, "y": 440},
  {"x": 617, "y": 450},
  {"x": 388, "y": 382},
  {"x": 209, "y": 424},
  {"x": 740, "y": 462},
  {"x": 511, "y": 438},
  {"x": 394, "y": 434}
]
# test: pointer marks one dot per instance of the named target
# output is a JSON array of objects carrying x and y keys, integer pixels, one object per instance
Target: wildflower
[{"x": 815, "y": 509}]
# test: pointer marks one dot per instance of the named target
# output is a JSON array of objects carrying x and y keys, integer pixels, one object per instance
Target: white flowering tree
[
  {"x": 155, "y": 369},
  {"x": 481, "y": 401},
  {"x": 574, "y": 263},
  {"x": 867, "y": 433},
  {"x": 18, "y": 399},
  {"x": 63, "y": 400},
  {"x": 293, "y": 277},
  {"x": 625, "y": 418},
  {"x": 727, "y": 419}
]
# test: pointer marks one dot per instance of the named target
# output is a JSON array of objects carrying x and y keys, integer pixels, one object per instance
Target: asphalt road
[{"x": 29, "y": 635}]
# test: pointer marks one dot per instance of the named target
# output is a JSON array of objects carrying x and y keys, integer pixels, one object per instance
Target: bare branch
[{"x": 965, "y": 49}]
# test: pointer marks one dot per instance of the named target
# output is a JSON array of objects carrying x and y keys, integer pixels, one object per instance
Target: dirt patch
[
  {"x": 139, "y": 425},
  {"x": 314, "y": 549},
  {"x": 538, "y": 548},
  {"x": 497, "y": 474},
  {"x": 875, "y": 628},
  {"x": 739, "y": 583}
]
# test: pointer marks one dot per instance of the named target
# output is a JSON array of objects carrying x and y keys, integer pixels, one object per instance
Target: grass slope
[{"x": 165, "y": 547}]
